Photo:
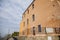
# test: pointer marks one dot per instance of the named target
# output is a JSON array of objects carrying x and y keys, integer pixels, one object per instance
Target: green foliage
[{"x": 15, "y": 34}]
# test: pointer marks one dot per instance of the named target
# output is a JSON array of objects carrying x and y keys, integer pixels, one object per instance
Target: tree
[{"x": 15, "y": 34}]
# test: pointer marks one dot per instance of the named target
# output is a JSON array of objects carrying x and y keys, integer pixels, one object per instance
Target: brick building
[{"x": 42, "y": 18}]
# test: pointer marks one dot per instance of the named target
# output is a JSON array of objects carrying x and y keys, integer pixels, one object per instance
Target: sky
[{"x": 11, "y": 15}]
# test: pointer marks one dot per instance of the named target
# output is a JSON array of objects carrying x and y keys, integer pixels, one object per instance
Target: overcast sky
[{"x": 11, "y": 14}]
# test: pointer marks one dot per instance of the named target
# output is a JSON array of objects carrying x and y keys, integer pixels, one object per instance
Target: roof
[{"x": 29, "y": 6}]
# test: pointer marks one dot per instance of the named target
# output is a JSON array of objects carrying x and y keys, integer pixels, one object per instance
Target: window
[
  {"x": 27, "y": 21},
  {"x": 28, "y": 11},
  {"x": 49, "y": 30},
  {"x": 57, "y": 30},
  {"x": 27, "y": 31},
  {"x": 33, "y": 30},
  {"x": 23, "y": 23},
  {"x": 33, "y": 16},
  {"x": 39, "y": 28},
  {"x": 32, "y": 6}
]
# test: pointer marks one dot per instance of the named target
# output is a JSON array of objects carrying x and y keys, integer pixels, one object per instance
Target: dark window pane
[
  {"x": 32, "y": 6},
  {"x": 39, "y": 28},
  {"x": 33, "y": 16},
  {"x": 33, "y": 30},
  {"x": 57, "y": 30}
]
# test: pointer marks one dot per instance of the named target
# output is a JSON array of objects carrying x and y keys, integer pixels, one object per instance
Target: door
[{"x": 59, "y": 37}]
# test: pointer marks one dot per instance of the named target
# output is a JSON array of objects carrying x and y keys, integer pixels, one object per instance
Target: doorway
[{"x": 59, "y": 37}]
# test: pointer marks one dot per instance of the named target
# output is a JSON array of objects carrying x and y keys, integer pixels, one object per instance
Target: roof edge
[{"x": 28, "y": 6}]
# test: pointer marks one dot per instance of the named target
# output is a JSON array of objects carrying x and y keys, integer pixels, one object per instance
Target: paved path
[{"x": 10, "y": 39}]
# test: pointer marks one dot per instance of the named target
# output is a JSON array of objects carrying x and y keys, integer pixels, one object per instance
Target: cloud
[{"x": 11, "y": 14}]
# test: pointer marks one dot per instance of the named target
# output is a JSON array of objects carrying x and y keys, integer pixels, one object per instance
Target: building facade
[{"x": 41, "y": 18}]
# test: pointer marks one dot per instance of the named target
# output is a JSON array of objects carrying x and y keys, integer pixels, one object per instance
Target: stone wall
[{"x": 37, "y": 38}]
